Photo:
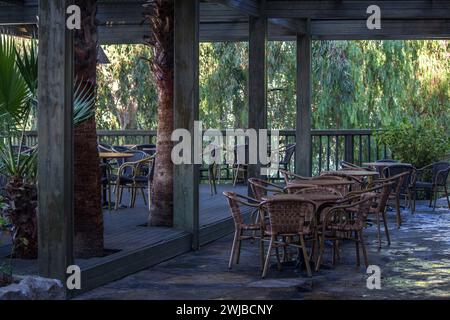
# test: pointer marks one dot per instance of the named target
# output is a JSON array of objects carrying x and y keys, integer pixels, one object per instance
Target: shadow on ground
[{"x": 415, "y": 266}]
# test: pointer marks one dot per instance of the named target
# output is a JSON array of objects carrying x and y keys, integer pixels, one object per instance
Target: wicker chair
[
  {"x": 289, "y": 218},
  {"x": 290, "y": 176},
  {"x": 382, "y": 190},
  {"x": 103, "y": 147},
  {"x": 235, "y": 201},
  {"x": 133, "y": 174},
  {"x": 240, "y": 167},
  {"x": 402, "y": 174},
  {"x": 261, "y": 188},
  {"x": 346, "y": 221},
  {"x": 150, "y": 149},
  {"x": 439, "y": 172},
  {"x": 289, "y": 151}
]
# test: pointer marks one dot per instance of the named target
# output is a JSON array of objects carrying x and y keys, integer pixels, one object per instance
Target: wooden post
[
  {"x": 55, "y": 158},
  {"x": 257, "y": 81},
  {"x": 186, "y": 111},
  {"x": 303, "y": 164},
  {"x": 348, "y": 149}
]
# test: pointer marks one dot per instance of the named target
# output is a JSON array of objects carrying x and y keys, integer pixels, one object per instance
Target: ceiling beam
[
  {"x": 297, "y": 26},
  {"x": 345, "y": 9},
  {"x": 390, "y": 30},
  {"x": 249, "y": 7},
  {"x": 13, "y": 2}
]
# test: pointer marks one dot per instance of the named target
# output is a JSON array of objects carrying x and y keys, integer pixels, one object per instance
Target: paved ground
[{"x": 415, "y": 266}]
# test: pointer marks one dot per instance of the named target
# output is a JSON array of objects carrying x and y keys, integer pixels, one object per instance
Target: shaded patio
[
  {"x": 415, "y": 266},
  {"x": 198, "y": 217}
]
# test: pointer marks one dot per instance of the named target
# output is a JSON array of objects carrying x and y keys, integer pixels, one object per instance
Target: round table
[
  {"x": 381, "y": 165},
  {"x": 314, "y": 197}
]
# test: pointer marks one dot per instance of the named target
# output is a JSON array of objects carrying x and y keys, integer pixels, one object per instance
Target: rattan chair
[
  {"x": 382, "y": 189},
  {"x": 346, "y": 221},
  {"x": 438, "y": 172},
  {"x": 290, "y": 176},
  {"x": 134, "y": 175},
  {"x": 235, "y": 201},
  {"x": 289, "y": 218},
  {"x": 402, "y": 174},
  {"x": 240, "y": 166}
]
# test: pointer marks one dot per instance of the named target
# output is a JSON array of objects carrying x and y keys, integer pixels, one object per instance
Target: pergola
[{"x": 121, "y": 22}]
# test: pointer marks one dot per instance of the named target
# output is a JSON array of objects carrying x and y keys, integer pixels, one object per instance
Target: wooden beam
[
  {"x": 296, "y": 26},
  {"x": 55, "y": 160},
  {"x": 257, "y": 81},
  {"x": 186, "y": 111},
  {"x": 338, "y": 9},
  {"x": 390, "y": 29},
  {"x": 249, "y": 7},
  {"x": 303, "y": 121},
  {"x": 19, "y": 3}
]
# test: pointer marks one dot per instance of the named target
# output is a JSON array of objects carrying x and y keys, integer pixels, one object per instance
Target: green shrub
[{"x": 419, "y": 142}]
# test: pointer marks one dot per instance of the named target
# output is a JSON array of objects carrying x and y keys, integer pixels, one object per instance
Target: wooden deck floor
[{"x": 131, "y": 246}]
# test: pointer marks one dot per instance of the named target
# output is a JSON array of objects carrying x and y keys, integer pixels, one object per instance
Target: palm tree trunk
[
  {"x": 88, "y": 216},
  {"x": 161, "y": 16}
]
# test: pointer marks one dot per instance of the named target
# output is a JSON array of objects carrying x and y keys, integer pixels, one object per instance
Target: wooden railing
[{"x": 329, "y": 147}]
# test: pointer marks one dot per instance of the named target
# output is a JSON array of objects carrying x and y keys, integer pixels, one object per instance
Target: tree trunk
[
  {"x": 88, "y": 216},
  {"x": 161, "y": 15},
  {"x": 22, "y": 198}
]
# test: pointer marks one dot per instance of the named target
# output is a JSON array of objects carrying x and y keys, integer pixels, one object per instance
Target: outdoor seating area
[
  {"x": 240, "y": 144},
  {"x": 298, "y": 217}
]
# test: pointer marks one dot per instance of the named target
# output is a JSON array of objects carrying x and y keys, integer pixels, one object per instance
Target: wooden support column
[
  {"x": 55, "y": 158},
  {"x": 257, "y": 80},
  {"x": 186, "y": 111},
  {"x": 303, "y": 127}
]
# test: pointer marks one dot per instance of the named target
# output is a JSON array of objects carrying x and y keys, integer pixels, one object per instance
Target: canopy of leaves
[{"x": 356, "y": 84}]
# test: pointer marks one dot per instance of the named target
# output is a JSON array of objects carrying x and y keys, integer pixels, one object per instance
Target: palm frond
[{"x": 83, "y": 102}]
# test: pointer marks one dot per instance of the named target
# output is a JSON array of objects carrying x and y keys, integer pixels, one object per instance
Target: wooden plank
[
  {"x": 186, "y": 111},
  {"x": 249, "y": 7},
  {"x": 303, "y": 121},
  {"x": 18, "y": 3},
  {"x": 257, "y": 82},
  {"x": 335, "y": 9},
  {"x": 390, "y": 29},
  {"x": 125, "y": 263},
  {"x": 55, "y": 160},
  {"x": 296, "y": 26}
]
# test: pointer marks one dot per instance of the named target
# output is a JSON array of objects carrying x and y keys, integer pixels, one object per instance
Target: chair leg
[
  {"x": 305, "y": 255},
  {"x": 239, "y": 246},
  {"x": 413, "y": 207},
  {"x": 363, "y": 246},
  {"x": 386, "y": 229},
  {"x": 118, "y": 196},
  {"x": 143, "y": 196},
  {"x": 446, "y": 194},
  {"x": 109, "y": 197},
  {"x": 431, "y": 197},
  {"x": 358, "y": 260},
  {"x": 261, "y": 252},
  {"x": 436, "y": 195},
  {"x": 321, "y": 250},
  {"x": 269, "y": 251},
  {"x": 233, "y": 247},
  {"x": 235, "y": 175},
  {"x": 397, "y": 205},
  {"x": 379, "y": 230}
]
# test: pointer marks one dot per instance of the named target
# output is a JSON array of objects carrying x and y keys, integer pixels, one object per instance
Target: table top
[
  {"x": 315, "y": 197},
  {"x": 383, "y": 164},
  {"x": 356, "y": 173},
  {"x": 113, "y": 155},
  {"x": 319, "y": 182}
]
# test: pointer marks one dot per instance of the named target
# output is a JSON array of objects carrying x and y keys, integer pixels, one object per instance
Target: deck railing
[{"x": 329, "y": 147}]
